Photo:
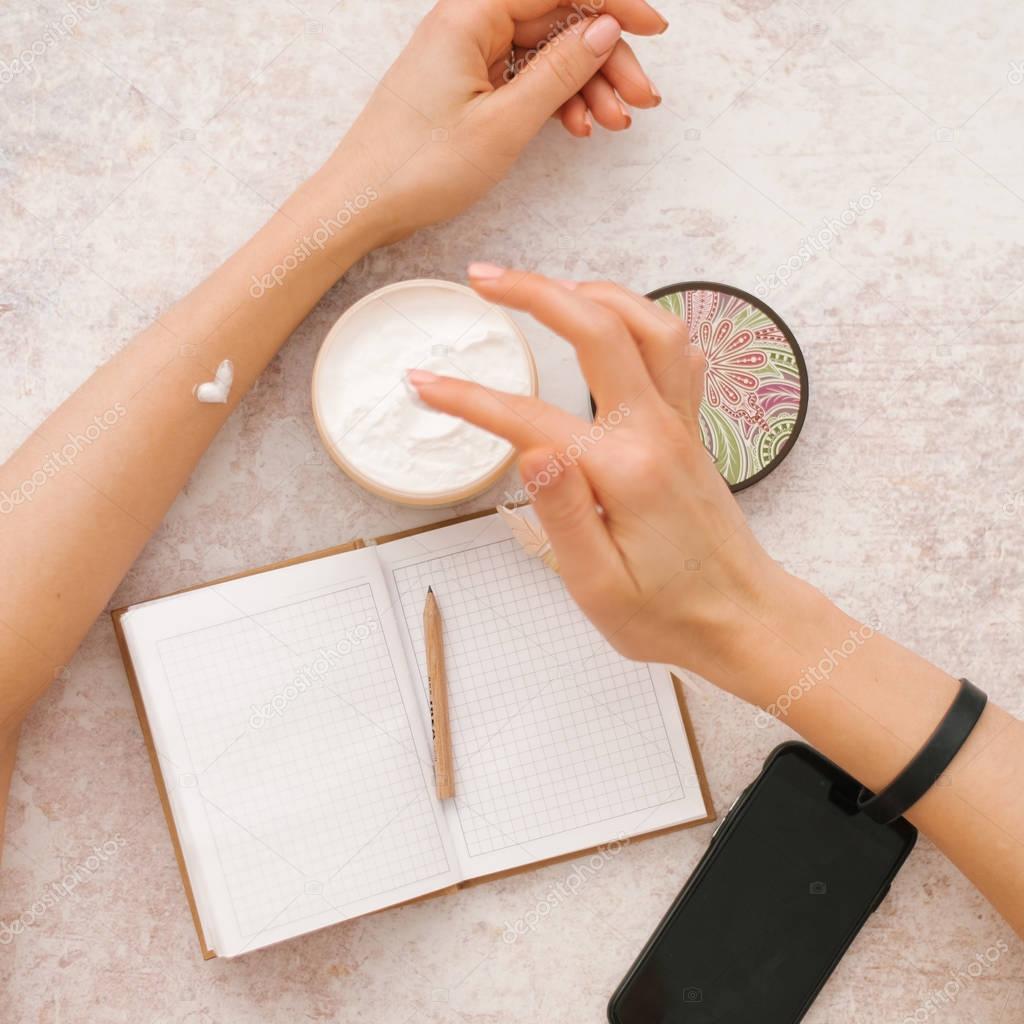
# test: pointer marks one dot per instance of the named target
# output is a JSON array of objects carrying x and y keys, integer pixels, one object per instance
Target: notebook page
[
  {"x": 560, "y": 743},
  {"x": 293, "y": 748}
]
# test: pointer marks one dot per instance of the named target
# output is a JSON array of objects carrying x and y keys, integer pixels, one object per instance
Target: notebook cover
[{"x": 209, "y": 954}]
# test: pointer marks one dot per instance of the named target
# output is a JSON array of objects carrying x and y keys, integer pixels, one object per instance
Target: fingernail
[
  {"x": 589, "y": 122},
  {"x": 484, "y": 271},
  {"x": 600, "y": 37},
  {"x": 664, "y": 22},
  {"x": 654, "y": 90},
  {"x": 568, "y": 285},
  {"x": 418, "y": 377},
  {"x": 625, "y": 113}
]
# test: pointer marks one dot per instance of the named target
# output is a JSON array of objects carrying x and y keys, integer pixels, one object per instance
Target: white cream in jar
[{"x": 371, "y": 421}]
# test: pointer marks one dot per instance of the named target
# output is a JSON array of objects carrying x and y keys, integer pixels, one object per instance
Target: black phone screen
[{"x": 770, "y": 909}]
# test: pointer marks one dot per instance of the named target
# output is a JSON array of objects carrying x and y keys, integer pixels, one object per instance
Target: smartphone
[{"x": 790, "y": 877}]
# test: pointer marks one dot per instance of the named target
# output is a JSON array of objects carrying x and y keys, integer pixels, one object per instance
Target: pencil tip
[{"x": 430, "y": 590}]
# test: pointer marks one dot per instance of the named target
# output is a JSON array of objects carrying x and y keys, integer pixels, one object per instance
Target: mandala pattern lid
[{"x": 755, "y": 393}]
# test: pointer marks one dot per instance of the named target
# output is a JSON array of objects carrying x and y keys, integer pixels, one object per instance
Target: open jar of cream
[{"x": 370, "y": 420}]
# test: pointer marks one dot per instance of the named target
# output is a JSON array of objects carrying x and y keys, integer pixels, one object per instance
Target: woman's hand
[
  {"x": 476, "y": 82},
  {"x": 654, "y": 549},
  {"x": 649, "y": 540}
]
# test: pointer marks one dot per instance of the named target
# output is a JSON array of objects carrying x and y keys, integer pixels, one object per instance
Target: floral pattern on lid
[{"x": 755, "y": 392}]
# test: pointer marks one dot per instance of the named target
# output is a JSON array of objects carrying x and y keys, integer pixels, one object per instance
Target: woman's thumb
[
  {"x": 566, "y": 508},
  {"x": 556, "y": 69}
]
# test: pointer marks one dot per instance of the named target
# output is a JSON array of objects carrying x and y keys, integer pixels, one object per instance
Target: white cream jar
[{"x": 371, "y": 422}]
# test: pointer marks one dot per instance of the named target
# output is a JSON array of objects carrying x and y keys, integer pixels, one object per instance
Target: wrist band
[{"x": 930, "y": 761}]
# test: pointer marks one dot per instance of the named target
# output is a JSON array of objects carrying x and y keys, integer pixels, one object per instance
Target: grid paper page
[
  {"x": 556, "y": 736},
  {"x": 301, "y": 762}
]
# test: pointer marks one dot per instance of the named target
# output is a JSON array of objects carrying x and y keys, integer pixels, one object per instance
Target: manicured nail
[
  {"x": 419, "y": 377},
  {"x": 484, "y": 271},
  {"x": 600, "y": 37},
  {"x": 588, "y": 122}
]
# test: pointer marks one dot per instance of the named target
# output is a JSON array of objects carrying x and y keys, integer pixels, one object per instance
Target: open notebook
[{"x": 289, "y": 721}]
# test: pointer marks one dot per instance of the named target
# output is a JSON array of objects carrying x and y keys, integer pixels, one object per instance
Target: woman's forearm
[
  {"x": 870, "y": 704},
  {"x": 88, "y": 488}
]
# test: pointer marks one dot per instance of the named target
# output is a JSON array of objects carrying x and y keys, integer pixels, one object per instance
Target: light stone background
[{"x": 137, "y": 154}]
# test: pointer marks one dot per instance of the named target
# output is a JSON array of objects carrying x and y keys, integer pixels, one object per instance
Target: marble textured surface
[{"x": 139, "y": 151}]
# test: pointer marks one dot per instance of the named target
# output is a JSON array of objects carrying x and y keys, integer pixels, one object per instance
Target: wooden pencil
[{"x": 444, "y": 771}]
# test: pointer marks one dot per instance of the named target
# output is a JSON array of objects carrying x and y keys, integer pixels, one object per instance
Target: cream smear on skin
[{"x": 374, "y": 418}]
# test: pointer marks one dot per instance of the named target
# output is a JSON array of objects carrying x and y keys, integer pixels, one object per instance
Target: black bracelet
[{"x": 930, "y": 761}]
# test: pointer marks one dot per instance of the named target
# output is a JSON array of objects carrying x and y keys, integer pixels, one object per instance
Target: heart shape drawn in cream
[{"x": 218, "y": 389}]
